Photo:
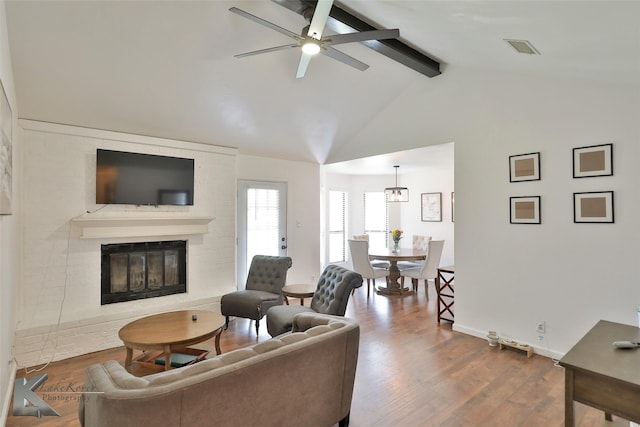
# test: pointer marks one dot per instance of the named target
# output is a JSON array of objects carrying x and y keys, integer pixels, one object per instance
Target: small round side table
[{"x": 301, "y": 291}]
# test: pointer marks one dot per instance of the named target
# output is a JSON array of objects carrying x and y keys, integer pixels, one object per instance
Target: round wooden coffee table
[
  {"x": 167, "y": 332},
  {"x": 301, "y": 291}
]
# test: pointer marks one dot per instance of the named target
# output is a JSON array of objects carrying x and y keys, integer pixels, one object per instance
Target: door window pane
[{"x": 263, "y": 220}]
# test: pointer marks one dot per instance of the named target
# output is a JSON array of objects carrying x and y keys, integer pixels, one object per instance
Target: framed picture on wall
[
  {"x": 525, "y": 210},
  {"x": 524, "y": 167},
  {"x": 431, "y": 207},
  {"x": 593, "y": 207},
  {"x": 595, "y": 160},
  {"x": 453, "y": 210}
]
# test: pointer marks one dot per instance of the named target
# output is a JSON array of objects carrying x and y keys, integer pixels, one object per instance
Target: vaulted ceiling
[{"x": 166, "y": 68}]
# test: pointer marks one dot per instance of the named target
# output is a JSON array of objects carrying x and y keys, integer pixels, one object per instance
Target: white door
[{"x": 262, "y": 222}]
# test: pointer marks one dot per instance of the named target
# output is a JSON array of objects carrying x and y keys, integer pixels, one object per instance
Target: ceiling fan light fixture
[
  {"x": 397, "y": 194},
  {"x": 311, "y": 47}
]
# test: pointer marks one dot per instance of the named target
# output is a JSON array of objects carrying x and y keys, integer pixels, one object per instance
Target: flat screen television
[{"x": 143, "y": 179}]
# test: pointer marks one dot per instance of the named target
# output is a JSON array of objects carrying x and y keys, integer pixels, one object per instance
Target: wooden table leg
[
  {"x": 167, "y": 357},
  {"x": 218, "y": 342},
  {"x": 393, "y": 287},
  {"x": 128, "y": 359},
  {"x": 568, "y": 398}
]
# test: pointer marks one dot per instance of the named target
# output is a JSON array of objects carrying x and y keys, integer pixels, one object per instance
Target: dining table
[{"x": 393, "y": 256}]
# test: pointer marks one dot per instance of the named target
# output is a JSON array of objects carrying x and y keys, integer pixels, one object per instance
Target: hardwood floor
[{"x": 411, "y": 372}]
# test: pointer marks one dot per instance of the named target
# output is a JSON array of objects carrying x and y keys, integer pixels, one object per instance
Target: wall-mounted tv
[{"x": 143, "y": 179}]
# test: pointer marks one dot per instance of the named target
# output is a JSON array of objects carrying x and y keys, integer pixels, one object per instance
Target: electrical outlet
[{"x": 540, "y": 327}]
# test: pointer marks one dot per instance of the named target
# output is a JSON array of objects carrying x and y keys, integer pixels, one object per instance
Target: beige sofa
[{"x": 301, "y": 378}]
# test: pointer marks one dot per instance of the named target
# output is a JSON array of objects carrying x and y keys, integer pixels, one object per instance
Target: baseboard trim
[
  {"x": 9, "y": 392},
  {"x": 543, "y": 351}
]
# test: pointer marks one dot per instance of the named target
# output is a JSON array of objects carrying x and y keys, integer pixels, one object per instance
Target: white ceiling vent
[{"x": 523, "y": 46}]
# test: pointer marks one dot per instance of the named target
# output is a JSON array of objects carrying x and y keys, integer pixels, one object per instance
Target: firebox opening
[{"x": 132, "y": 271}]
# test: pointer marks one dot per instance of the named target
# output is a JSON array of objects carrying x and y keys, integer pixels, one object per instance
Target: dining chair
[
  {"x": 419, "y": 242},
  {"x": 267, "y": 275},
  {"x": 379, "y": 264},
  {"x": 359, "y": 250},
  {"x": 428, "y": 271}
]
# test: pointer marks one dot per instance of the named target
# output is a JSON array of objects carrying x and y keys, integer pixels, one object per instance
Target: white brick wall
[{"x": 59, "y": 313}]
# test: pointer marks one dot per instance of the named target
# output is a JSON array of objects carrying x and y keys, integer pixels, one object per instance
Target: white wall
[
  {"x": 569, "y": 275},
  {"x": 431, "y": 180},
  {"x": 9, "y": 237},
  {"x": 59, "y": 311},
  {"x": 510, "y": 276},
  {"x": 303, "y": 209}
]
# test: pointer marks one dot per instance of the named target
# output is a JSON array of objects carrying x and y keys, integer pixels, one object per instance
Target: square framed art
[
  {"x": 525, "y": 210},
  {"x": 593, "y": 207},
  {"x": 431, "y": 207},
  {"x": 524, "y": 167},
  {"x": 596, "y": 160}
]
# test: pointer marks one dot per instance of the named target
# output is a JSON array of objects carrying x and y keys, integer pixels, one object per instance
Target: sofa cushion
[
  {"x": 267, "y": 346},
  {"x": 123, "y": 379}
]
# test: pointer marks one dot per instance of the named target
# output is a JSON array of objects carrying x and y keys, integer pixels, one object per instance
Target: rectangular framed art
[
  {"x": 593, "y": 207},
  {"x": 431, "y": 207},
  {"x": 6, "y": 155},
  {"x": 453, "y": 207},
  {"x": 525, "y": 210},
  {"x": 524, "y": 167},
  {"x": 596, "y": 160}
]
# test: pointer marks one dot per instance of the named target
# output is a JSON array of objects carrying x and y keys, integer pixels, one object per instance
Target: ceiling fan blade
[
  {"x": 361, "y": 36},
  {"x": 344, "y": 58},
  {"x": 319, "y": 20},
  {"x": 270, "y": 49},
  {"x": 265, "y": 23},
  {"x": 302, "y": 66}
]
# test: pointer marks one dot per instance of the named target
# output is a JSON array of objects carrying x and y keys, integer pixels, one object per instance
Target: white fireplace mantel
[{"x": 115, "y": 227}]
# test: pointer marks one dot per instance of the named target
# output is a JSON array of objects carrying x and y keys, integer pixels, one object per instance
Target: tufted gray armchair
[
  {"x": 263, "y": 290},
  {"x": 331, "y": 297}
]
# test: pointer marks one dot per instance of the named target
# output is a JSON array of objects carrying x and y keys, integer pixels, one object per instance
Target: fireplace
[{"x": 132, "y": 271}]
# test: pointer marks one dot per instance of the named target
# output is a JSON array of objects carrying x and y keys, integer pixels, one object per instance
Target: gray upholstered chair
[
  {"x": 331, "y": 297},
  {"x": 263, "y": 290}
]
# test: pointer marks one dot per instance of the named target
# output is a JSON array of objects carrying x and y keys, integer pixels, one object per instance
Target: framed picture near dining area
[
  {"x": 453, "y": 207},
  {"x": 593, "y": 207},
  {"x": 524, "y": 167},
  {"x": 595, "y": 160},
  {"x": 431, "y": 207},
  {"x": 525, "y": 210}
]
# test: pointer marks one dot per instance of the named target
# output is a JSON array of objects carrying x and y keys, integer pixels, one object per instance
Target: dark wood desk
[
  {"x": 602, "y": 376},
  {"x": 387, "y": 254}
]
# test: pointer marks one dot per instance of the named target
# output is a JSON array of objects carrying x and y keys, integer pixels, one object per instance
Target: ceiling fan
[{"x": 311, "y": 41}]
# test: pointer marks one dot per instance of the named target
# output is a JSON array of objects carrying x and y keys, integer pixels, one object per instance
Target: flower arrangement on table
[{"x": 396, "y": 235}]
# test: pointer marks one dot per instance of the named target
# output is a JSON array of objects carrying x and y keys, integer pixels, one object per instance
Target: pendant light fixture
[{"x": 397, "y": 194}]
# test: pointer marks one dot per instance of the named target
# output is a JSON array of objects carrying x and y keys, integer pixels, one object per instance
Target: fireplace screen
[{"x": 133, "y": 271}]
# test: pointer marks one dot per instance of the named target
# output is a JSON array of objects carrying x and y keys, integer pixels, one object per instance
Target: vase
[{"x": 396, "y": 248}]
